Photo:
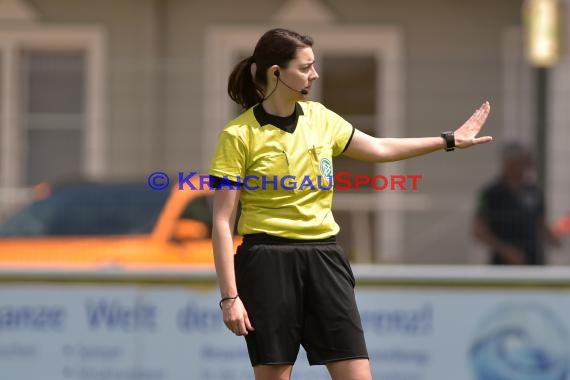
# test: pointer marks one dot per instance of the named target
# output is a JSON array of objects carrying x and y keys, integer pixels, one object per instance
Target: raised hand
[{"x": 466, "y": 135}]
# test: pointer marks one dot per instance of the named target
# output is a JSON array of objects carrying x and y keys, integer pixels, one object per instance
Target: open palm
[{"x": 466, "y": 135}]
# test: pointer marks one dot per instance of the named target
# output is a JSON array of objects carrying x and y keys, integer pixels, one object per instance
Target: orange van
[{"x": 111, "y": 224}]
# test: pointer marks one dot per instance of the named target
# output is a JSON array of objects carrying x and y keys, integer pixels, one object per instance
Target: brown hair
[{"x": 275, "y": 47}]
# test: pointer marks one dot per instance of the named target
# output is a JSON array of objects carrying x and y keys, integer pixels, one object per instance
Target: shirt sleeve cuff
[
  {"x": 218, "y": 182},
  {"x": 349, "y": 140}
]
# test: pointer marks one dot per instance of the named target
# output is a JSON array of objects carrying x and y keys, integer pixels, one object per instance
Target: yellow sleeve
[
  {"x": 229, "y": 158},
  {"x": 341, "y": 130}
]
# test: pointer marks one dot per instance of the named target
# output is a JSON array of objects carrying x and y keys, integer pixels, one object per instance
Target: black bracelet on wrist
[
  {"x": 227, "y": 298},
  {"x": 449, "y": 138}
]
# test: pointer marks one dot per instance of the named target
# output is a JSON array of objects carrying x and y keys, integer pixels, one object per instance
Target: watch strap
[{"x": 449, "y": 138}]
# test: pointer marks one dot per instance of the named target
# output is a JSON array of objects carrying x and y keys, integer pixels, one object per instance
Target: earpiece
[{"x": 277, "y": 73}]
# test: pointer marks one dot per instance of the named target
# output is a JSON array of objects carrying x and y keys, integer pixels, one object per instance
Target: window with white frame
[{"x": 52, "y": 104}]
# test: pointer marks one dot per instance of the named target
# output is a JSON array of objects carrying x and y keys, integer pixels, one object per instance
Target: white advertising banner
[{"x": 146, "y": 332}]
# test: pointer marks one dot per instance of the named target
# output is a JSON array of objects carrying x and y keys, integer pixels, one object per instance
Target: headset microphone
[{"x": 278, "y": 73}]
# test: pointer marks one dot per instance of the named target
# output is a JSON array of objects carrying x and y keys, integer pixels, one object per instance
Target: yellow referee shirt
[{"x": 284, "y": 166}]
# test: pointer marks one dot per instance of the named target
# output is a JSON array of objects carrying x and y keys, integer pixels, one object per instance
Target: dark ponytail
[
  {"x": 241, "y": 87},
  {"x": 275, "y": 47}
]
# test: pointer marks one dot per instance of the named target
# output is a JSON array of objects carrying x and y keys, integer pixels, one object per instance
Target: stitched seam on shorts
[
  {"x": 275, "y": 363},
  {"x": 340, "y": 359}
]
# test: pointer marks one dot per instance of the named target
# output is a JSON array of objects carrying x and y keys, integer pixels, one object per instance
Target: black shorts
[{"x": 299, "y": 294}]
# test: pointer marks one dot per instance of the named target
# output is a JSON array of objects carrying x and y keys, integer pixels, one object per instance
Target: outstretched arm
[{"x": 367, "y": 148}]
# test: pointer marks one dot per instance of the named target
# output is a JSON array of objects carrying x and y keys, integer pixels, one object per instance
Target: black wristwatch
[{"x": 449, "y": 140}]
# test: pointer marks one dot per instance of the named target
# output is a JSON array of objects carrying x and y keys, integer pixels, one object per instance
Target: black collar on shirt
[{"x": 287, "y": 123}]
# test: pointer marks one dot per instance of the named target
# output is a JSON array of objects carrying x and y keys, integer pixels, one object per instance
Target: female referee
[{"x": 289, "y": 283}]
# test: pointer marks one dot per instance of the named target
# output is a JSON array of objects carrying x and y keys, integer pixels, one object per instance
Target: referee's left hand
[
  {"x": 236, "y": 318},
  {"x": 466, "y": 135}
]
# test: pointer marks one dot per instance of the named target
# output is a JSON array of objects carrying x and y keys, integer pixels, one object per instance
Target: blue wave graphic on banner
[{"x": 520, "y": 342}]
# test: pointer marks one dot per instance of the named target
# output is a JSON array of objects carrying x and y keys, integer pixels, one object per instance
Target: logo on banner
[{"x": 532, "y": 342}]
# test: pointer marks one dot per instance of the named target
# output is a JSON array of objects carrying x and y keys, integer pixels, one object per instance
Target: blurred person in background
[{"x": 510, "y": 218}]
